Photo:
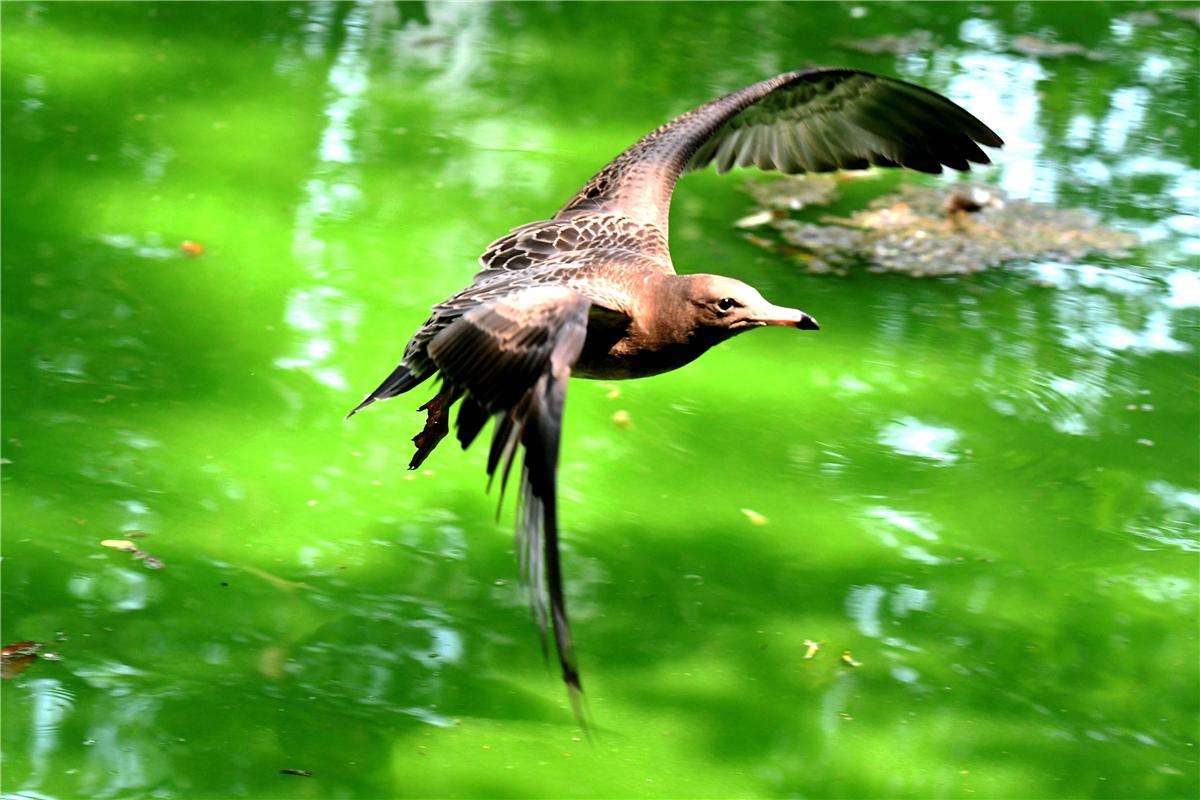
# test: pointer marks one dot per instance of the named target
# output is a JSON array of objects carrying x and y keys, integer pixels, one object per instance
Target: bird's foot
[{"x": 437, "y": 425}]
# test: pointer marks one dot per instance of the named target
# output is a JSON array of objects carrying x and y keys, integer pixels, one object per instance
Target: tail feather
[{"x": 399, "y": 382}]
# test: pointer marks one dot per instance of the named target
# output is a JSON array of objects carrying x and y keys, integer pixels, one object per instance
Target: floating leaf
[
  {"x": 17, "y": 657},
  {"x": 127, "y": 546},
  {"x": 754, "y": 517},
  {"x": 756, "y": 219}
]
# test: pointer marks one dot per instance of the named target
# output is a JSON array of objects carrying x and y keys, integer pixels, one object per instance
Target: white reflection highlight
[
  {"x": 833, "y": 704},
  {"x": 446, "y": 644},
  {"x": 120, "y": 589},
  {"x": 1173, "y": 519},
  {"x": 452, "y": 45},
  {"x": 320, "y": 315},
  {"x": 1154, "y": 337},
  {"x": 910, "y": 523},
  {"x": 128, "y": 757},
  {"x": 323, "y": 315},
  {"x": 112, "y": 676},
  {"x": 318, "y": 28},
  {"x": 1169, "y": 589},
  {"x": 490, "y": 175},
  {"x": 1183, "y": 289},
  {"x": 981, "y": 32},
  {"x": 51, "y": 704},
  {"x": 897, "y": 530},
  {"x": 863, "y": 605},
  {"x": 1127, "y": 113},
  {"x": 981, "y": 594},
  {"x": 151, "y": 247},
  {"x": 911, "y": 437},
  {"x": 1003, "y": 90},
  {"x": 1079, "y": 132},
  {"x": 906, "y": 599}
]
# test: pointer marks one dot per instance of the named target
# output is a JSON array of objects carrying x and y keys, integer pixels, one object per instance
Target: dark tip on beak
[{"x": 807, "y": 323}]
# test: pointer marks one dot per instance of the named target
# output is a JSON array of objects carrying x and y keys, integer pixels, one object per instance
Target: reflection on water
[
  {"x": 401, "y": 651},
  {"x": 897, "y": 530},
  {"x": 320, "y": 315},
  {"x": 912, "y": 437},
  {"x": 1172, "y": 519},
  {"x": 113, "y": 589},
  {"x": 50, "y": 703},
  {"x": 990, "y": 488},
  {"x": 863, "y": 604}
]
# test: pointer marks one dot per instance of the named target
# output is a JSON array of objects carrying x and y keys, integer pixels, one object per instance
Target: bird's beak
[{"x": 786, "y": 317}]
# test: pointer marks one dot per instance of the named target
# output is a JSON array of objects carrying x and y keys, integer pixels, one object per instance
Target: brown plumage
[{"x": 592, "y": 292}]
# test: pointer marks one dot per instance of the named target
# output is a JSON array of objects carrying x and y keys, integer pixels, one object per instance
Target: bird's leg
[{"x": 437, "y": 424}]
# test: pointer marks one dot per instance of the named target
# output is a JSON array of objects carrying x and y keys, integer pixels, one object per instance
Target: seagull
[{"x": 592, "y": 292}]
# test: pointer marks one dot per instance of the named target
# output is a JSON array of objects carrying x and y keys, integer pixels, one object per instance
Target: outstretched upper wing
[
  {"x": 583, "y": 241},
  {"x": 510, "y": 358},
  {"x": 815, "y": 120}
]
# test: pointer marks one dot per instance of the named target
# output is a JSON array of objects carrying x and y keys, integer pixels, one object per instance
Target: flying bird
[{"x": 592, "y": 292}]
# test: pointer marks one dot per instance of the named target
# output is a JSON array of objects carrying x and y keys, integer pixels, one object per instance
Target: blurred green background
[{"x": 985, "y": 488}]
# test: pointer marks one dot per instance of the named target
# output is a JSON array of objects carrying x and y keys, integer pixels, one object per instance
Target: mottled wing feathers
[
  {"x": 512, "y": 357},
  {"x": 842, "y": 119},
  {"x": 587, "y": 240},
  {"x": 813, "y": 120}
]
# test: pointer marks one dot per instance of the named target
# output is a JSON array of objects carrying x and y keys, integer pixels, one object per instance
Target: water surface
[{"x": 985, "y": 489}]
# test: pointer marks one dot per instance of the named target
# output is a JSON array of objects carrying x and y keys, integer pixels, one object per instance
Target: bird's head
[{"x": 726, "y": 307}]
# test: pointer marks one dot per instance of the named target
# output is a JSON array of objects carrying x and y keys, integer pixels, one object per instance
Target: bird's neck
[
  {"x": 662, "y": 313},
  {"x": 668, "y": 315}
]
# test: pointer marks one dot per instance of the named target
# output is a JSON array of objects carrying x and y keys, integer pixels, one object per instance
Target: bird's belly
[{"x": 626, "y": 359}]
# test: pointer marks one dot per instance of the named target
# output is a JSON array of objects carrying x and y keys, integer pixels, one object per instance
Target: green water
[{"x": 986, "y": 489}]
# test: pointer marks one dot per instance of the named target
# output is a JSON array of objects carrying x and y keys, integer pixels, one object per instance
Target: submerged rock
[{"x": 938, "y": 230}]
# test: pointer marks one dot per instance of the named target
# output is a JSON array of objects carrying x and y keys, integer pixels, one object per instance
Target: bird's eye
[{"x": 726, "y": 303}]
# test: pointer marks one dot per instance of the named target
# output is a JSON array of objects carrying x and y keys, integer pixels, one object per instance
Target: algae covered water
[{"x": 945, "y": 547}]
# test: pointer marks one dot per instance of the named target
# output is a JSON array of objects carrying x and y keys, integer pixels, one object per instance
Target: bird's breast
[{"x": 620, "y": 355}]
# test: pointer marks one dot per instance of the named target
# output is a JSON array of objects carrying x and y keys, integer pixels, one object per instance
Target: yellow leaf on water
[
  {"x": 119, "y": 544},
  {"x": 756, "y": 219},
  {"x": 755, "y": 517}
]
